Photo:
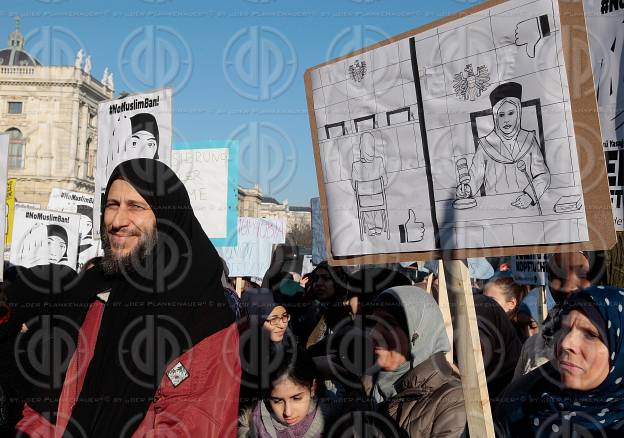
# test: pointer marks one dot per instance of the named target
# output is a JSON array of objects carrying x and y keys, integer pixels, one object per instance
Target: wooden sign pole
[
  {"x": 543, "y": 307},
  {"x": 443, "y": 303},
  {"x": 239, "y": 286},
  {"x": 468, "y": 347},
  {"x": 429, "y": 283}
]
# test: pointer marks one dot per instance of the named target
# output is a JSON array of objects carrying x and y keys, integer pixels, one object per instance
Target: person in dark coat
[
  {"x": 416, "y": 387},
  {"x": 500, "y": 345},
  {"x": 149, "y": 335},
  {"x": 265, "y": 340}
]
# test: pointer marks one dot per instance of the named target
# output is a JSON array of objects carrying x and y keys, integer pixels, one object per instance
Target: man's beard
[{"x": 114, "y": 264}]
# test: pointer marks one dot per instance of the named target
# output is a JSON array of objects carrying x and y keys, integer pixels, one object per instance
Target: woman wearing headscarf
[
  {"x": 265, "y": 340},
  {"x": 580, "y": 392},
  {"x": 415, "y": 387},
  {"x": 152, "y": 348},
  {"x": 502, "y": 154}
]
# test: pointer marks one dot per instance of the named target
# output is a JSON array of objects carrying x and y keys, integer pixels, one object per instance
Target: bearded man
[{"x": 155, "y": 348}]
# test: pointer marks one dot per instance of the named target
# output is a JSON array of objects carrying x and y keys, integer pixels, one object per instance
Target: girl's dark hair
[
  {"x": 297, "y": 367},
  {"x": 510, "y": 289}
]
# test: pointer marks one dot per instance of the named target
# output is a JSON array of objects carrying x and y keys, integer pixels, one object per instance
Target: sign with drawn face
[
  {"x": 136, "y": 126},
  {"x": 459, "y": 139},
  {"x": 41, "y": 237},
  {"x": 82, "y": 204},
  {"x": 4, "y": 157}
]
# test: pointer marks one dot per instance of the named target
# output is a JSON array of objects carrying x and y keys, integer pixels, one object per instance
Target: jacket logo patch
[{"x": 177, "y": 374}]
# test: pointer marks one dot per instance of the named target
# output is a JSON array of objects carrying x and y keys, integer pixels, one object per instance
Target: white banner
[
  {"x": 44, "y": 236},
  {"x": 136, "y": 126}
]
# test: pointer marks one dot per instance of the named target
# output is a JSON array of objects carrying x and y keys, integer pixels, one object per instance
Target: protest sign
[
  {"x": 209, "y": 172},
  {"x": 44, "y": 236},
  {"x": 4, "y": 157},
  {"x": 135, "y": 126},
  {"x": 606, "y": 44},
  {"x": 319, "y": 251},
  {"x": 27, "y": 205},
  {"x": 529, "y": 269},
  {"x": 82, "y": 204},
  {"x": 307, "y": 266},
  {"x": 251, "y": 257},
  {"x": 10, "y": 209},
  {"x": 407, "y": 140}
]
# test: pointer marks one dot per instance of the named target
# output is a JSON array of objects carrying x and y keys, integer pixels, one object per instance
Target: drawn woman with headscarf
[
  {"x": 368, "y": 179},
  {"x": 508, "y": 159},
  {"x": 57, "y": 243},
  {"x": 133, "y": 137}
]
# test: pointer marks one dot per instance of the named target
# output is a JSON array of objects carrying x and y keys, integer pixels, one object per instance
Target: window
[
  {"x": 91, "y": 158},
  {"x": 15, "y": 107},
  {"x": 16, "y": 149}
]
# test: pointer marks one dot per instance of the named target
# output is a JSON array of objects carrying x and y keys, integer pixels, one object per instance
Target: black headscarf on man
[{"x": 157, "y": 311}]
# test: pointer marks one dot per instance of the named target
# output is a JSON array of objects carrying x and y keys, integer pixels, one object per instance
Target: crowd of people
[{"x": 153, "y": 339}]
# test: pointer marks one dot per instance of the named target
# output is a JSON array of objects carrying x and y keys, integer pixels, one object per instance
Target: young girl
[{"x": 291, "y": 407}]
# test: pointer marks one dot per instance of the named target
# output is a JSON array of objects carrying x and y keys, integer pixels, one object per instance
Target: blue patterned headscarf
[{"x": 601, "y": 408}]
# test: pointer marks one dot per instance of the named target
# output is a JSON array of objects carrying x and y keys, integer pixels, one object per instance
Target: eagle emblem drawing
[
  {"x": 357, "y": 70},
  {"x": 468, "y": 85}
]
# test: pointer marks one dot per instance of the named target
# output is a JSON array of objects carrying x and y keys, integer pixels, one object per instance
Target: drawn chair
[{"x": 371, "y": 197}]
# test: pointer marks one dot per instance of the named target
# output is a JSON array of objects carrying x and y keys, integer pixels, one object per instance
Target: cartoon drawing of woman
[
  {"x": 368, "y": 179},
  {"x": 508, "y": 154}
]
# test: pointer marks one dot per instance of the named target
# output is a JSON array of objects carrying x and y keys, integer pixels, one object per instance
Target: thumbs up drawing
[{"x": 411, "y": 230}]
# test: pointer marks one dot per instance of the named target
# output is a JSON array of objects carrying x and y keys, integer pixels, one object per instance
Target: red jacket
[{"x": 205, "y": 404}]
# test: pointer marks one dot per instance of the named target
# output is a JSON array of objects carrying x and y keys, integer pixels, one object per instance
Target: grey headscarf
[{"x": 427, "y": 335}]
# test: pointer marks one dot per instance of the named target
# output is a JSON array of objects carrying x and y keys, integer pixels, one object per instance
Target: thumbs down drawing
[{"x": 530, "y": 32}]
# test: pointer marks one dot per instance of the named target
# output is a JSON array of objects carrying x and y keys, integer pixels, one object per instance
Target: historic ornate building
[
  {"x": 251, "y": 203},
  {"x": 51, "y": 115}
]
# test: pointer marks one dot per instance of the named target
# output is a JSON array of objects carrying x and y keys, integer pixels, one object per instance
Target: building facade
[
  {"x": 50, "y": 113},
  {"x": 251, "y": 203}
]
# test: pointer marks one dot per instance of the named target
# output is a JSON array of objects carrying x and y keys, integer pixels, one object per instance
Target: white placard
[
  {"x": 82, "y": 204},
  {"x": 136, "y": 126},
  {"x": 44, "y": 236},
  {"x": 319, "y": 251},
  {"x": 4, "y": 158},
  {"x": 606, "y": 44},
  {"x": 209, "y": 173},
  {"x": 459, "y": 137},
  {"x": 256, "y": 237}
]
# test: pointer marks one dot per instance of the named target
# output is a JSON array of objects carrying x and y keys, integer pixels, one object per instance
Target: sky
[{"x": 236, "y": 66}]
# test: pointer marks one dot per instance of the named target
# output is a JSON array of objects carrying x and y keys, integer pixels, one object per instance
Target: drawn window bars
[{"x": 368, "y": 122}]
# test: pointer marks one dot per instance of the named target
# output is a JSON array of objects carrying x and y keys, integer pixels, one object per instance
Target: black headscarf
[
  {"x": 500, "y": 344},
  {"x": 164, "y": 307}
]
